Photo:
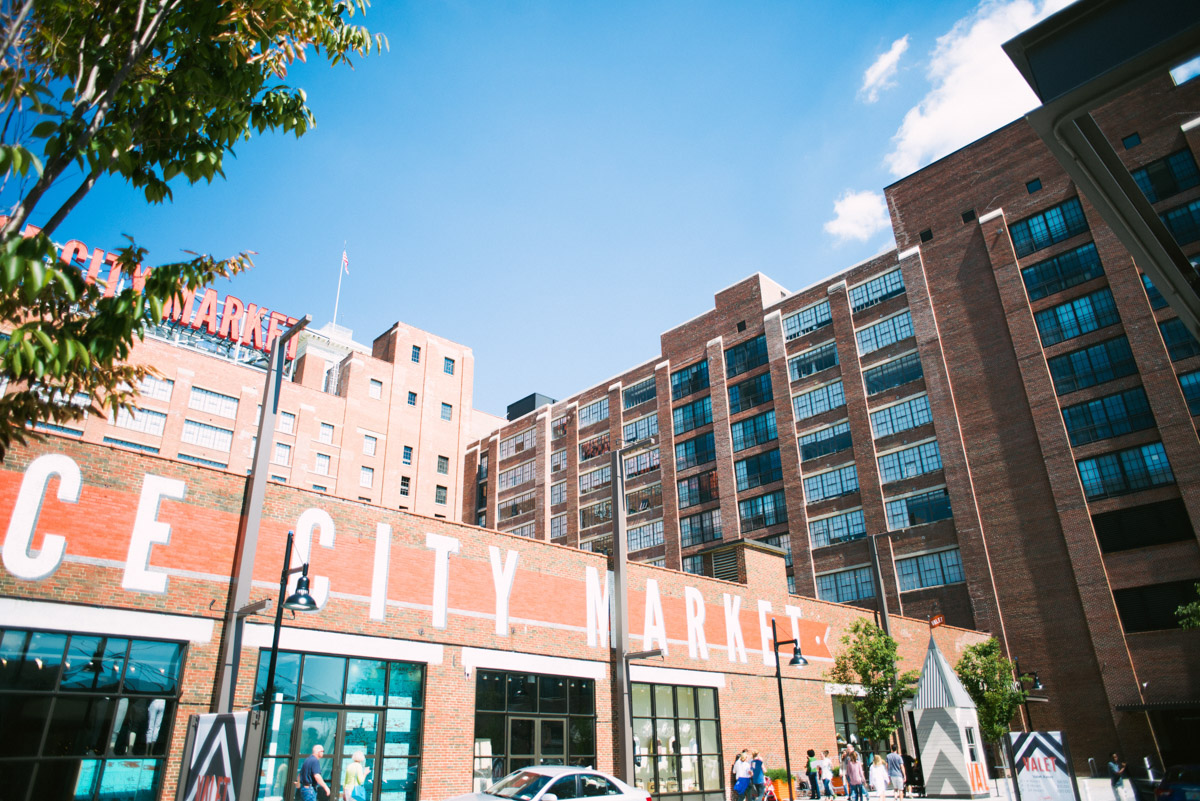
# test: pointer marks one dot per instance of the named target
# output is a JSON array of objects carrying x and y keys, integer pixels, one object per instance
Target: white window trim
[
  {"x": 922, "y": 394},
  {"x": 881, "y": 321},
  {"x": 900, "y": 557},
  {"x": 816, "y": 387},
  {"x": 912, "y": 494},
  {"x": 822, "y": 427},
  {"x": 906, "y": 447},
  {"x": 895, "y": 358},
  {"x": 838, "y": 513},
  {"x": 888, "y": 271},
  {"x": 806, "y": 351},
  {"x": 844, "y": 569}
]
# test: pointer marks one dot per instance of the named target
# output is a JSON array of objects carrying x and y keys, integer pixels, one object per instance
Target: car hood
[{"x": 475, "y": 797}]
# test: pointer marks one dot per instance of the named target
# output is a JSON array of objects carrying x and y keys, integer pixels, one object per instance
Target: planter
[{"x": 781, "y": 789}]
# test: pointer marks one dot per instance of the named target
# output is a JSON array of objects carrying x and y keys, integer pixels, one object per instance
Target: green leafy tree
[
  {"x": 869, "y": 660},
  {"x": 987, "y": 676},
  {"x": 1189, "y": 613},
  {"x": 147, "y": 91}
]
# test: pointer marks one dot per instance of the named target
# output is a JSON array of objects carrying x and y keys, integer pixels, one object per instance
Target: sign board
[
  {"x": 220, "y": 757},
  {"x": 1043, "y": 766},
  {"x": 936, "y": 621}
]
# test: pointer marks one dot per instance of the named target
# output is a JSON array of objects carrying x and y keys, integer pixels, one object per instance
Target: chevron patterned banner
[
  {"x": 1043, "y": 766},
  {"x": 214, "y": 766}
]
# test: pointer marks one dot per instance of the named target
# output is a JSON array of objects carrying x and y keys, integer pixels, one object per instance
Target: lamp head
[
  {"x": 797, "y": 659},
  {"x": 301, "y": 600},
  {"x": 1037, "y": 683}
]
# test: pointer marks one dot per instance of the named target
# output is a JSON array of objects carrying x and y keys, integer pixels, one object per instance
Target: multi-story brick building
[{"x": 1003, "y": 405}]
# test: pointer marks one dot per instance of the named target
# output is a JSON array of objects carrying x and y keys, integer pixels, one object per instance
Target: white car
[{"x": 556, "y": 783}]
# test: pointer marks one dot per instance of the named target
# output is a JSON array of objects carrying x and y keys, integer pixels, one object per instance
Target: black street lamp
[
  {"x": 299, "y": 601},
  {"x": 796, "y": 661},
  {"x": 1036, "y": 686}
]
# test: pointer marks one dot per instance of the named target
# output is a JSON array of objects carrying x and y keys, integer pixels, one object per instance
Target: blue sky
[{"x": 553, "y": 183}]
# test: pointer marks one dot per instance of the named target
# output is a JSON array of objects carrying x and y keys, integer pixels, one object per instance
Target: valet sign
[{"x": 1043, "y": 766}]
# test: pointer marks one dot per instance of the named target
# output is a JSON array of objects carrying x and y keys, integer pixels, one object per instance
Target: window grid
[
  {"x": 1110, "y": 416},
  {"x": 930, "y": 570},
  {"x": 807, "y": 320},
  {"x": 526, "y": 530},
  {"x": 143, "y": 420},
  {"x": 205, "y": 400},
  {"x": 321, "y": 464},
  {"x": 644, "y": 499},
  {"x": 783, "y": 542},
  {"x": 558, "y": 527},
  {"x": 641, "y": 463},
  {"x": 514, "y": 476},
  {"x": 1053, "y": 225},
  {"x": 518, "y": 443},
  {"x": 1126, "y": 471},
  {"x": 447, "y": 411},
  {"x": 819, "y": 400},
  {"x": 1157, "y": 301},
  {"x": 416, "y": 354},
  {"x": 596, "y": 446},
  {"x": 1062, "y": 272},
  {"x": 692, "y": 415},
  {"x": 443, "y": 465},
  {"x": 558, "y": 493},
  {"x": 693, "y": 452},
  {"x": 895, "y": 373},
  {"x": 746, "y": 356},
  {"x": 831, "y": 484},
  {"x": 448, "y": 366},
  {"x": 151, "y": 386},
  {"x": 204, "y": 435},
  {"x": 408, "y": 454},
  {"x": 640, "y": 429},
  {"x": 286, "y": 423},
  {"x": 405, "y": 484},
  {"x": 366, "y": 477},
  {"x": 558, "y": 428},
  {"x": 762, "y": 511},
  {"x": 1077, "y": 317},
  {"x": 646, "y": 536},
  {"x": 595, "y": 479},
  {"x": 1190, "y": 384},
  {"x": 694, "y": 565},
  {"x": 593, "y": 413},
  {"x": 700, "y": 528},
  {"x": 595, "y": 514},
  {"x": 829, "y": 440},
  {"x": 846, "y": 586},
  {"x": 639, "y": 393},
  {"x": 283, "y": 454},
  {"x": 688, "y": 380},
  {"x": 877, "y": 290},
  {"x": 915, "y": 510},
  {"x": 439, "y": 495},
  {"x": 1168, "y": 176},
  {"x": 758, "y": 470},
  {"x": 749, "y": 394},
  {"x": 813, "y": 361},
  {"x": 412, "y": 398},
  {"x": 1093, "y": 365},
  {"x": 698, "y": 489},
  {"x": 369, "y": 444},
  {"x": 884, "y": 333},
  {"x": 837, "y": 528},
  {"x": 325, "y": 434},
  {"x": 518, "y": 505},
  {"x": 914, "y": 461},
  {"x": 558, "y": 461},
  {"x": 1179, "y": 341},
  {"x": 375, "y": 390},
  {"x": 901, "y": 417},
  {"x": 1184, "y": 222},
  {"x": 753, "y": 431}
]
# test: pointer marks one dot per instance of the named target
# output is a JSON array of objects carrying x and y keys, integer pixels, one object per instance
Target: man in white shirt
[
  {"x": 825, "y": 774},
  {"x": 743, "y": 772}
]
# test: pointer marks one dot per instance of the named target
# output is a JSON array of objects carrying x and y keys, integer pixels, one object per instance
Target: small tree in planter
[
  {"x": 988, "y": 678},
  {"x": 780, "y": 779}
]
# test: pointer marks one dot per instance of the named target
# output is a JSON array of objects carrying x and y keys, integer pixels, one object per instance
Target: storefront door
[
  {"x": 342, "y": 732},
  {"x": 536, "y": 741}
]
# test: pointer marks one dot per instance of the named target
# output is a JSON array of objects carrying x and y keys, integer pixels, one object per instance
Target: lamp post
[
  {"x": 1036, "y": 685},
  {"x": 299, "y": 601},
  {"x": 797, "y": 660},
  {"x": 630, "y": 761}
]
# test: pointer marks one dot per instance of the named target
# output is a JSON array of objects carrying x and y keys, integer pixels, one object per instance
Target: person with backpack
[{"x": 814, "y": 789}]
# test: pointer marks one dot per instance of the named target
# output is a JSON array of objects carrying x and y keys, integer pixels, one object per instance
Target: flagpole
[{"x": 341, "y": 269}]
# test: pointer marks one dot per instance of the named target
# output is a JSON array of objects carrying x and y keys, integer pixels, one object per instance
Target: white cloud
[
  {"x": 880, "y": 74},
  {"x": 976, "y": 89},
  {"x": 858, "y": 215}
]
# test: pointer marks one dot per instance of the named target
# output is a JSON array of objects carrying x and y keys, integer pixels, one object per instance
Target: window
[
  {"x": 1063, "y": 271},
  {"x": 1152, "y": 607},
  {"x": 369, "y": 443},
  {"x": 1055, "y": 224},
  {"x": 914, "y": 461},
  {"x": 321, "y": 464},
  {"x": 219, "y": 439},
  {"x": 784, "y": 543},
  {"x": 1183, "y": 222},
  {"x": 1131, "y": 141},
  {"x": 692, "y": 415},
  {"x": 416, "y": 354},
  {"x": 877, "y": 290},
  {"x": 593, "y": 413},
  {"x": 448, "y": 366},
  {"x": 915, "y": 510},
  {"x": 513, "y": 477},
  {"x": 694, "y": 564},
  {"x": 375, "y": 390},
  {"x": 700, "y": 488},
  {"x": 688, "y": 380},
  {"x": 692, "y": 452},
  {"x": 807, "y": 320},
  {"x": 846, "y": 586},
  {"x": 527, "y": 530},
  {"x": 100, "y": 700},
  {"x": 895, "y": 373},
  {"x": 930, "y": 570},
  {"x": 151, "y": 386},
  {"x": 439, "y": 495},
  {"x": 753, "y": 431},
  {"x": 1109, "y": 416},
  {"x": 749, "y": 394},
  {"x": 1190, "y": 384},
  {"x": 407, "y": 454},
  {"x": 901, "y": 417},
  {"x": 558, "y": 460},
  {"x": 558, "y": 527},
  {"x": 813, "y": 360},
  {"x": 819, "y": 400},
  {"x": 187, "y": 457},
  {"x": 644, "y": 499},
  {"x": 757, "y": 471},
  {"x": 831, "y": 484},
  {"x": 640, "y": 393},
  {"x": 647, "y": 536},
  {"x": 366, "y": 477},
  {"x": 1157, "y": 301},
  {"x": 700, "y": 528},
  {"x": 677, "y": 729},
  {"x": 640, "y": 429},
  {"x": 558, "y": 493},
  {"x": 829, "y": 440},
  {"x": 837, "y": 528},
  {"x": 325, "y": 434},
  {"x": 443, "y": 465},
  {"x": 137, "y": 446},
  {"x": 481, "y": 472},
  {"x": 1179, "y": 341},
  {"x": 1125, "y": 471},
  {"x": 1076, "y": 317},
  {"x": 765, "y": 510},
  {"x": 746, "y": 356},
  {"x": 1087, "y": 367},
  {"x": 595, "y": 514},
  {"x": 518, "y": 505},
  {"x": 641, "y": 463},
  {"x": 1169, "y": 176},
  {"x": 320, "y": 488},
  {"x": 412, "y": 399},
  {"x": 481, "y": 496},
  {"x": 1033, "y": 186},
  {"x": 1186, "y": 71},
  {"x": 143, "y": 420},
  {"x": 447, "y": 411},
  {"x": 518, "y": 443},
  {"x": 884, "y": 333},
  {"x": 279, "y": 479},
  {"x": 558, "y": 428},
  {"x": 286, "y": 423},
  {"x": 595, "y": 479},
  {"x": 1143, "y": 526},
  {"x": 405, "y": 485},
  {"x": 596, "y": 446},
  {"x": 205, "y": 400}
]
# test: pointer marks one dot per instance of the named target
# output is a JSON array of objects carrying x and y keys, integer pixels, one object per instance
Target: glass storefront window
[
  {"x": 85, "y": 716},
  {"x": 347, "y": 705},
  {"x": 677, "y": 742}
]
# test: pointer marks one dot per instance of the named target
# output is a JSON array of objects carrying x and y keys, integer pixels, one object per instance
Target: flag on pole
[{"x": 345, "y": 262}]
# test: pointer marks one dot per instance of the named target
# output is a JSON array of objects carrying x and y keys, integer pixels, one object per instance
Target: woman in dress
[{"x": 879, "y": 777}]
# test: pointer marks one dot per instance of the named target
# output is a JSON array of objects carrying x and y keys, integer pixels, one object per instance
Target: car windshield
[{"x": 522, "y": 785}]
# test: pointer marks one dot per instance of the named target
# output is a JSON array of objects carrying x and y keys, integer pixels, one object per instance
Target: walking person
[
  {"x": 742, "y": 775},
  {"x": 855, "y": 778},
  {"x": 814, "y": 789},
  {"x": 310, "y": 775},
  {"x": 897, "y": 775},
  {"x": 825, "y": 769},
  {"x": 758, "y": 778},
  {"x": 354, "y": 778},
  {"x": 1116, "y": 775},
  {"x": 879, "y": 778}
]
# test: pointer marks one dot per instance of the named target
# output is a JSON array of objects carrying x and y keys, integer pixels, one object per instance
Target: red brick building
[{"x": 1002, "y": 404}]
